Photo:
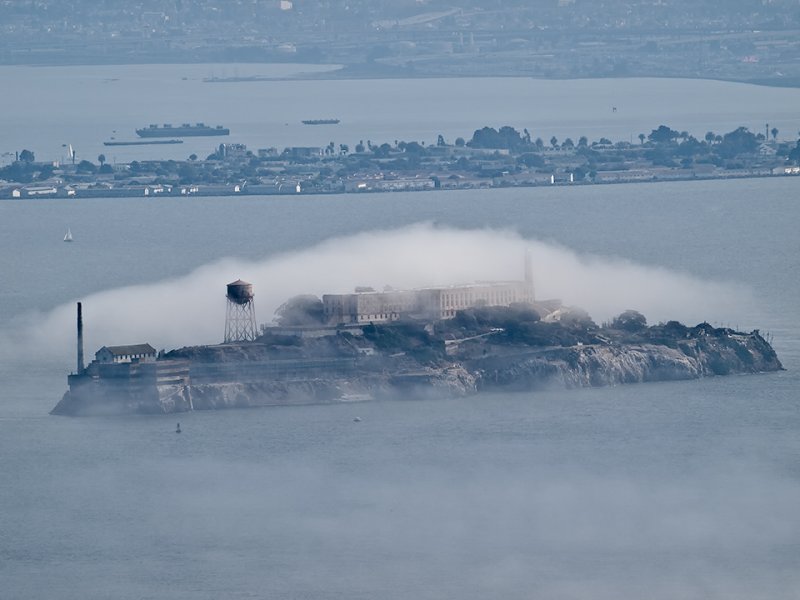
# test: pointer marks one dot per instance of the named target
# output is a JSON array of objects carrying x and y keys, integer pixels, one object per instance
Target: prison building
[{"x": 435, "y": 303}]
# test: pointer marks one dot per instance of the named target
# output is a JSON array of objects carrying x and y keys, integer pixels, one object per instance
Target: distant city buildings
[
  {"x": 561, "y": 38},
  {"x": 490, "y": 159}
]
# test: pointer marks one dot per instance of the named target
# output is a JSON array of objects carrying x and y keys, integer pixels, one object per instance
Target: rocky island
[{"x": 521, "y": 346}]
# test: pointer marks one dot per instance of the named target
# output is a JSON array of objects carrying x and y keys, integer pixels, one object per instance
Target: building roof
[
  {"x": 130, "y": 350},
  {"x": 368, "y": 291}
]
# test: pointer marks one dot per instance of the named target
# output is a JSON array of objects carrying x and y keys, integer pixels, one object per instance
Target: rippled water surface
[{"x": 674, "y": 490}]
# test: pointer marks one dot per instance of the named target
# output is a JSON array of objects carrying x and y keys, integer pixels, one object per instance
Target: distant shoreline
[
  {"x": 358, "y": 72},
  {"x": 212, "y": 191},
  {"x": 491, "y": 159}
]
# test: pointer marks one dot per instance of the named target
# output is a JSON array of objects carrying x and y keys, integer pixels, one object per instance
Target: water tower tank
[{"x": 240, "y": 292}]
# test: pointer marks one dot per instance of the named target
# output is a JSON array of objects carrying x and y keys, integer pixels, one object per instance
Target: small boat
[
  {"x": 141, "y": 142},
  {"x": 178, "y": 428},
  {"x": 68, "y": 235}
]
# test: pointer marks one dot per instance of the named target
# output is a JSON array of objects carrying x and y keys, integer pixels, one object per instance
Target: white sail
[{"x": 68, "y": 235}]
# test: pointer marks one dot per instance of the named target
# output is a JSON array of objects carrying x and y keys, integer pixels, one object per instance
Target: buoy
[{"x": 178, "y": 428}]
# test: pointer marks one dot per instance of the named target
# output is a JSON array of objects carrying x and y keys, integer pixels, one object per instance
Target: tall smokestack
[{"x": 80, "y": 339}]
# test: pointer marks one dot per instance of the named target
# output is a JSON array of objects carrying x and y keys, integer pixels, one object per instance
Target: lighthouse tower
[
  {"x": 240, "y": 317},
  {"x": 529, "y": 291}
]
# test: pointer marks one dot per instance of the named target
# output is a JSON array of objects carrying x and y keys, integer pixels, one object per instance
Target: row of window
[
  {"x": 467, "y": 300},
  {"x": 379, "y": 317},
  {"x": 378, "y": 308},
  {"x": 127, "y": 357}
]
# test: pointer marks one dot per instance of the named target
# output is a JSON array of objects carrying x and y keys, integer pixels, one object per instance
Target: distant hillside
[{"x": 745, "y": 40}]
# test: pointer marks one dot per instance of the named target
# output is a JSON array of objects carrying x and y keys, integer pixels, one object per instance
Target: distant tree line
[{"x": 516, "y": 151}]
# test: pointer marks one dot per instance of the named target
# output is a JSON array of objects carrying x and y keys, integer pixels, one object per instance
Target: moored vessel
[
  {"x": 185, "y": 130},
  {"x": 320, "y": 122},
  {"x": 142, "y": 142}
]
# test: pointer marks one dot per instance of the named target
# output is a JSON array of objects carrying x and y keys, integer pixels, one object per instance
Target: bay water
[
  {"x": 680, "y": 489},
  {"x": 48, "y": 109}
]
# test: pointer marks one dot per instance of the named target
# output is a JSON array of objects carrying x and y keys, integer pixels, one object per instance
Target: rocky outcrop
[
  {"x": 98, "y": 397},
  {"x": 452, "y": 380},
  {"x": 334, "y": 371},
  {"x": 614, "y": 364}
]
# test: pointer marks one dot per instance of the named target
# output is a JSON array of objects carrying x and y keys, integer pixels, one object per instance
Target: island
[
  {"x": 452, "y": 341},
  {"x": 490, "y": 158}
]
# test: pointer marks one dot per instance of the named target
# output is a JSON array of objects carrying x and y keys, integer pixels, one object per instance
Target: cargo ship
[
  {"x": 185, "y": 130},
  {"x": 321, "y": 122}
]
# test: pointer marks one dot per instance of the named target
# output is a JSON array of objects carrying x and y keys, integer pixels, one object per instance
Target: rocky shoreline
[{"x": 466, "y": 356}]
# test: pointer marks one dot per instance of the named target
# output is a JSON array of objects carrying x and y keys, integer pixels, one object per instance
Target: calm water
[
  {"x": 678, "y": 490},
  {"x": 51, "y": 107},
  {"x": 666, "y": 490}
]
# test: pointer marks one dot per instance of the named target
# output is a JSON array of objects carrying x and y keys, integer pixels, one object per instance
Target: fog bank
[{"x": 191, "y": 309}]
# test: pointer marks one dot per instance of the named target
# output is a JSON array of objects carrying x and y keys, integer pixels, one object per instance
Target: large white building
[{"x": 369, "y": 306}]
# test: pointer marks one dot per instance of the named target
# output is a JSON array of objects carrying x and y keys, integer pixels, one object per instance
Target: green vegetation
[
  {"x": 490, "y": 158},
  {"x": 520, "y": 325},
  {"x": 300, "y": 311},
  {"x": 406, "y": 337}
]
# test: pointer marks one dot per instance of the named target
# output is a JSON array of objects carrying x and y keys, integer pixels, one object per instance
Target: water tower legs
[{"x": 240, "y": 322}]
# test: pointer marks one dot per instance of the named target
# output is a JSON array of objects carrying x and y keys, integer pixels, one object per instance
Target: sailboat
[{"x": 68, "y": 235}]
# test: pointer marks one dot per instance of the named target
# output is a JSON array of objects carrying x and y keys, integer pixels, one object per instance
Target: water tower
[{"x": 240, "y": 317}]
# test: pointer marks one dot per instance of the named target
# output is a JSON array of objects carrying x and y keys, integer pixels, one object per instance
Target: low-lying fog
[{"x": 190, "y": 310}]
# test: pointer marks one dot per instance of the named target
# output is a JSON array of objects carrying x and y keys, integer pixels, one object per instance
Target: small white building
[
  {"x": 126, "y": 354},
  {"x": 786, "y": 170},
  {"x": 41, "y": 190}
]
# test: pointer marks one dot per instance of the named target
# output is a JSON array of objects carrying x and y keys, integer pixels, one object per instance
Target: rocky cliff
[
  {"x": 614, "y": 364},
  {"x": 489, "y": 350}
]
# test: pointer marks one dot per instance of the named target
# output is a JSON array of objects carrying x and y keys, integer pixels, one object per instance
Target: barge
[{"x": 185, "y": 130}]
